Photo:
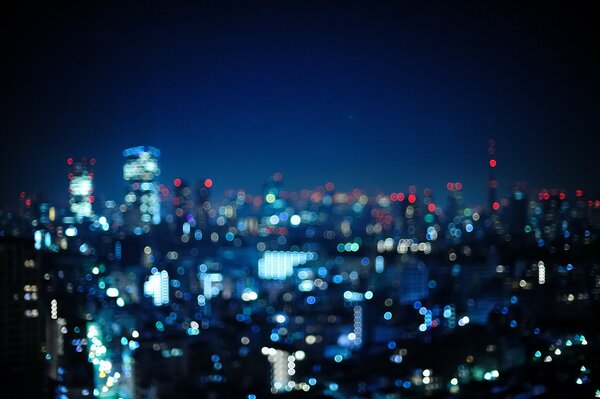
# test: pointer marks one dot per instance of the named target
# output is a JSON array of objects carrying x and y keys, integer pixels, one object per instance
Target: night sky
[{"x": 371, "y": 95}]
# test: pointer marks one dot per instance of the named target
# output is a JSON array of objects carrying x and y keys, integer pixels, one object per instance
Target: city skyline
[{"x": 482, "y": 193}]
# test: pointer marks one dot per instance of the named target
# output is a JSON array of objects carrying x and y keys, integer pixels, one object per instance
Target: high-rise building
[
  {"x": 140, "y": 173},
  {"x": 493, "y": 183},
  {"x": 455, "y": 202},
  {"x": 279, "y": 265},
  {"x": 202, "y": 203},
  {"x": 183, "y": 205},
  {"x": 22, "y": 334},
  {"x": 282, "y": 368},
  {"x": 81, "y": 187},
  {"x": 517, "y": 213}
]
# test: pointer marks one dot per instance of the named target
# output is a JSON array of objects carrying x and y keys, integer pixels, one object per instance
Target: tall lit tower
[
  {"x": 81, "y": 187},
  {"x": 493, "y": 183},
  {"x": 140, "y": 173}
]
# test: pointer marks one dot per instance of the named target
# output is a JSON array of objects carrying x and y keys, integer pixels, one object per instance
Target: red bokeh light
[
  {"x": 208, "y": 183},
  {"x": 458, "y": 186},
  {"x": 177, "y": 182},
  {"x": 69, "y": 161},
  {"x": 431, "y": 207},
  {"x": 496, "y": 205},
  {"x": 412, "y": 198},
  {"x": 493, "y": 163}
]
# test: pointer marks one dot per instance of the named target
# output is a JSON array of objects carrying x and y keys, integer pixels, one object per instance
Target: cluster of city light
[
  {"x": 428, "y": 322},
  {"x": 212, "y": 284},
  {"x": 279, "y": 265},
  {"x": 280, "y": 378},
  {"x": 105, "y": 377},
  {"x": 31, "y": 293},
  {"x": 54, "y": 309},
  {"x": 102, "y": 222},
  {"x": 450, "y": 315},
  {"x": 541, "y": 272},
  {"x": 348, "y": 247},
  {"x": 555, "y": 348},
  {"x": 249, "y": 295},
  {"x": 81, "y": 188},
  {"x": 353, "y": 296},
  {"x": 403, "y": 246},
  {"x": 356, "y": 336},
  {"x": 283, "y": 368},
  {"x": 426, "y": 376},
  {"x": 157, "y": 287}
]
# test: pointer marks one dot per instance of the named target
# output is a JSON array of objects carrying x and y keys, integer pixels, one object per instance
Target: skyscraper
[
  {"x": 22, "y": 315},
  {"x": 493, "y": 183},
  {"x": 140, "y": 173},
  {"x": 81, "y": 187},
  {"x": 203, "y": 189}
]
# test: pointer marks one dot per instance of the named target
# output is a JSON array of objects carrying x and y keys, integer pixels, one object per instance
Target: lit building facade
[
  {"x": 81, "y": 187},
  {"x": 140, "y": 172}
]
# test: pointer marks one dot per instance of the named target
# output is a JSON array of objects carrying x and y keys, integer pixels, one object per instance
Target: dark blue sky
[{"x": 370, "y": 95}]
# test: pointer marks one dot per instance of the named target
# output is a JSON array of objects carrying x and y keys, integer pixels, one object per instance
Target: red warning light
[
  {"x": 496, "y": 205},
  {"x": 208, "y": 183},
  {"x": 412, "y": 198},
  {"x": 493, "y": 163}
]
